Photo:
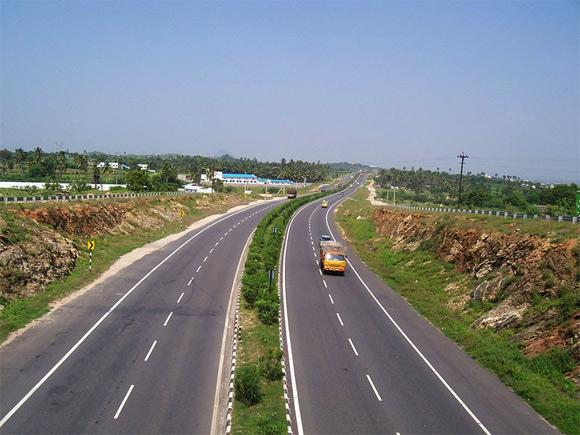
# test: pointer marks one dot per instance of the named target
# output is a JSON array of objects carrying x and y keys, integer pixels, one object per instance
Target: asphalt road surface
[
  {"x": 362, "y": 360},
  {"x": 138, "y": 353}
]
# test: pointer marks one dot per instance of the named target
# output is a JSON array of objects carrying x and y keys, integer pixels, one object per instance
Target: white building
[{"x": 245, "y": 180}]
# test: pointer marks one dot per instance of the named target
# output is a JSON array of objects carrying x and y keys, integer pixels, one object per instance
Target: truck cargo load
[
  {"x": 291, "y": 192},
  {"x": 332, "y": 257}
]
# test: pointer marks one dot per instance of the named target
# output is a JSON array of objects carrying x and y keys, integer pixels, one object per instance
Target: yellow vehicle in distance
[
  {"x": 332, "y": 256},
  {"x": 324, "y": 204}
]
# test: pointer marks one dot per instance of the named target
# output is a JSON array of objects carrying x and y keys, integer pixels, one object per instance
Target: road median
[{"x": 260, "y": 405}]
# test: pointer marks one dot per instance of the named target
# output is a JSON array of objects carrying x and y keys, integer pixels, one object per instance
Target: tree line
[
  {"x": 65, "y": 166},
  {"x": 506, "y": 192}
]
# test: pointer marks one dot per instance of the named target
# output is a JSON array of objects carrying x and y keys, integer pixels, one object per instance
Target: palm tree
[
  {"x": 61, "y": 162},
  {"x": 37, "y": 155},
  {"x": 19, "y": 156}
]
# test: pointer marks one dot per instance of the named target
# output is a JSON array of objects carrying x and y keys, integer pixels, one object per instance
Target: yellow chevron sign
[{"x": 91, "y": 245}]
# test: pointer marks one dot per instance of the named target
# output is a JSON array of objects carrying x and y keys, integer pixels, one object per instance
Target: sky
[{"x": 384, "y": 83}]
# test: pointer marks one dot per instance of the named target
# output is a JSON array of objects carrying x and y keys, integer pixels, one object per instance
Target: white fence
[
  {"x": 503, "y": 214},
  {"x": 88, "y": 197}
]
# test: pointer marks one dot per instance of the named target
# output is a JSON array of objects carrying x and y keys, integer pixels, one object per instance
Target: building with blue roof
[{"x": 247, "y": 179}]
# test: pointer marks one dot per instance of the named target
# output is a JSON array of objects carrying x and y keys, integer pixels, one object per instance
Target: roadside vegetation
[
  {"x": 422, "y": 278},
  {"x": 507, "y": 192},
  {"x": 17, "y": 230},
  {"x": 259, "y": 395}
]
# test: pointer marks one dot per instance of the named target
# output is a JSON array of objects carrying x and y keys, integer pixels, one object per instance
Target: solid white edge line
[
  {"x": 331, "y": 300},
  {"x": 215, "y": 414},
  {"x": 123, "y": 402},
  {"x": 353, "y": 348},
  {"x": 168, "y": 317},
  {"x": 150, "y": 351},
  {"x": 415, "y": 348},
  {"x": 104, "y": 316},
  {"x": 339, "y": 319},
  {"x": 374, "y": 389},
  {"x": 179, "y": 300}
]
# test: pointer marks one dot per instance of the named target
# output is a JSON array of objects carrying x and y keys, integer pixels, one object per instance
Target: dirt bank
[
  {"x": 40, "y": 244},
  {"x": 527, "y": 283}
]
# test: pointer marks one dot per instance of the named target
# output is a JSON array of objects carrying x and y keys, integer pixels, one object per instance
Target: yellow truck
[{"x": 332, "y": 256}]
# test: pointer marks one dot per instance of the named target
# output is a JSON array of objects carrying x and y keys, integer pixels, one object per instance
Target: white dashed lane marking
[
  {"x": 353, "y": 348},
  {"x": 150, "y": 351},
  {"x": 123, "y": 402},
  {"x": 374, "y": 389},
  {"x": 167, "y": 320}
]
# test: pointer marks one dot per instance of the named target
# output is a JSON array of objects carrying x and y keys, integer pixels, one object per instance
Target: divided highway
[
  {"x": 361, "y": 360},
  {"x": 140, "y": 352}
]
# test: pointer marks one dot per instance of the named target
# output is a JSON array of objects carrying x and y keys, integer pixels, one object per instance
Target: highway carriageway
[
  {"x": 361, "y": 360},
  {"x": 140, "y": 352}
]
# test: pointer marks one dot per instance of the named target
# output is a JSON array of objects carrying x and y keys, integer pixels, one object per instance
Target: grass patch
[
  {"x": 421, "y": 277},
  {"x": 18, "y": 312}
]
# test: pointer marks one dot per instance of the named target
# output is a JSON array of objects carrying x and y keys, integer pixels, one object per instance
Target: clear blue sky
[{"x": 386, "y": 83}]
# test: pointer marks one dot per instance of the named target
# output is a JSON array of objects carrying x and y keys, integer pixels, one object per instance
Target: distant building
[
  {"x": 112, "y": 165},
  {"x": 194, "y": 188},
  {"x": 245, "y": 179},
  {"x": 143, "y": 166}
]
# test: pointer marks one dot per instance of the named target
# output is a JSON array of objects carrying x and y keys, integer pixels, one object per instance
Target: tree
[
  {"x": 19, "y": 156},
  {"x": 37, "y": 155},
  {"x": 96, "y": 175},
  {"x": 61, "y": 162},
  {"x": 167, "y": 173},
  {"x": 138, "y": 181}
]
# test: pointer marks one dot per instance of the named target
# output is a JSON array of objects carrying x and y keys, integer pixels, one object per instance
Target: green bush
[
  {"x": 247, "y": 386},
  {"x": 268, "y": 310},
  {"x": 271, "y": 365}
]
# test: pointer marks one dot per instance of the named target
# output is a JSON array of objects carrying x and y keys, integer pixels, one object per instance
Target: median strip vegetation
[
  {"x": 427, "y": 282},
  {"x": 259, "y": 393}
]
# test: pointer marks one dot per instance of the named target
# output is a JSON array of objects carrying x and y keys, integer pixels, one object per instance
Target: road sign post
[
  {"x": 90, "y": 248},
  {"x": 271, "y": 273},
  {"x": 181, "y": 214}
]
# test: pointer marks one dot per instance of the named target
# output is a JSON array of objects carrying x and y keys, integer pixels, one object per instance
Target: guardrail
[
  {"x": 22, "y": 199},
  {"x": 504, "y": 214}
]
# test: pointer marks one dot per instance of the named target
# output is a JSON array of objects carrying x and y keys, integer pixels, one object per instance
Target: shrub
[
  {"x": 247, "y": 386},
  {"x": 569, "y": 302},
  {"x": 268, "y": 309},
  {"x": 250, "y": 294},
  {"x": 271, "y": 365}
]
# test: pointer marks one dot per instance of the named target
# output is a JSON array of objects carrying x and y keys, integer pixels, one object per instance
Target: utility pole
[{"x": 461, "y": 156}]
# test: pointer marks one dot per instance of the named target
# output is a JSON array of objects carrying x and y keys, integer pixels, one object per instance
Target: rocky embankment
[
  {"x": 39, "y": 245},
  {"x": 528, "y": 283}
]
